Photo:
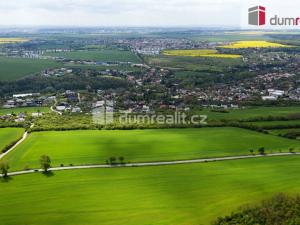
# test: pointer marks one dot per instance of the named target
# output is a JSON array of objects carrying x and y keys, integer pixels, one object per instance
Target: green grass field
[
  {"x": 193, "y": 194},
  {"x": 16, "y": 68},
  {"x": 103, "y": 68},
  {"x": 193, "y": 63},
  {"x": 95, "y": 147},
  {"x": 100, "y": 55},
  {"x": 254, "y": 112},
  {"x": 225, "y": 37},
  {"x": 24, "y": 110},
  {"x": 9, "y": 135}
]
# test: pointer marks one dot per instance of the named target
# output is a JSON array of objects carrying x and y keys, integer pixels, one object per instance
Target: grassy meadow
[
  {"x": 99, "y": 55},
  {"x": 95, "y": 147},
  {"x": 16, "y": 68},
  {"x": 211, "y": 64},
  {"x": 9, "y": 135},
  {"x": 193, "y": 194},
  {"x": 250, "y": 113},
  {"x": 199, "y": 53}
]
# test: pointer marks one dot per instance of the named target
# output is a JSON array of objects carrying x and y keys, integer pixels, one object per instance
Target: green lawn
[
  {"x": 193, "y": 194},
  {"x": 9, "y": 135},
  {"x": 24, "y": 110},
  {"x": 95, "y": 147},
  {"x": 99, "y": 55},
  {"x": 16, "y": 68},
  {"x": 253, "y": 112}
]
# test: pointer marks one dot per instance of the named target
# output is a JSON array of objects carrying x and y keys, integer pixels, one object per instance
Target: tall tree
[
  {"x": 45, "y": 163},
  {"x": 4, "y": 167}
]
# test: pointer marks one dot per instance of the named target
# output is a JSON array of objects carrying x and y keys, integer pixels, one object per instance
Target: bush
[{"x": 280, "y": 210}]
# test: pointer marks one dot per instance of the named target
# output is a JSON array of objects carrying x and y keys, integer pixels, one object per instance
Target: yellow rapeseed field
[
  {"x": 254, "y": 44},
  {"x": 12, "y": 40},
  {"x": 199, "y": 53}
]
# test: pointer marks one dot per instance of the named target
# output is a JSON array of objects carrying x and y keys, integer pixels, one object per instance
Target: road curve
[
  {"x": 55, "y": 111},
  {"x": 154, "y": 163}
]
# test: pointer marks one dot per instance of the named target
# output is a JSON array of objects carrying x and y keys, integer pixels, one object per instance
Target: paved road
[
  {"x": 53, "y": 110},
  {"x": 155, "y": 163}
]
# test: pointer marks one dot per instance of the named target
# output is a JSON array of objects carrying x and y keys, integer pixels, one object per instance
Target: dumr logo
[
  {"x": 257, "y": 16},
  {"x": 103, "y": 112}
]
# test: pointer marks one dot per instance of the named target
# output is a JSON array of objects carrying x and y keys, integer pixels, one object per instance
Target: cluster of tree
[
  {"x": 10, "y": 145},
  {"x": 52, "y": 84},
  {"x": 4, "y": 124},
  {"x": 294, "y": 116},
  {"x": 257, "y": 101},
  {"x": 248, "y": 126},
  {"x": 220, "y": 110},
  {"x": 50, "y": 122},
  {"x": 115, "y": 160},
  {"x": 280, "y": 126},
  {"x": 291, "y": 134},
  {"x": 280, "y": 210},
  {"x": 261, "y": 151}
]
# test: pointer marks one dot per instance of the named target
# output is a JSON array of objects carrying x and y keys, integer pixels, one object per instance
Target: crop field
[
  {"x": 95, "y": 147},
  {"x": 232, "y": 36},
  {"x": 99, "y": 55},
  {"x": 182, "y": 194},
  {"x": 212, "y": 64},
  {"x": 103, "y": 67},
  {"x": 254, "y": 44},
  {"x": 16, "y": 68},
  {"x": 12, "y": 40},
  {"x": 8, "y": 135},
  {"x": 199, "y": 53},
  {"x": 28, "y": 110},
  {"x": 250, "y": 113}
]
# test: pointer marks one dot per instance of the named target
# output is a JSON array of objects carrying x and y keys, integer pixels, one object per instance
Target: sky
[{"x": 195, "y": 13}]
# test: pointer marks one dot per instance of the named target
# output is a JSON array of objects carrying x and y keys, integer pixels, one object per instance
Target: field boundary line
[
  {"x": 25, "y": 135},
  {"x": 145, "y": 164}
]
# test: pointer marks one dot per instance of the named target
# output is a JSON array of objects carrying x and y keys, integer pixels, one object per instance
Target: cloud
[{"x": 124, "y": 12}]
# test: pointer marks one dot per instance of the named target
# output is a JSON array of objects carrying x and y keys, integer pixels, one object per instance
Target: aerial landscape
[{"x": 157, "y": 121}]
